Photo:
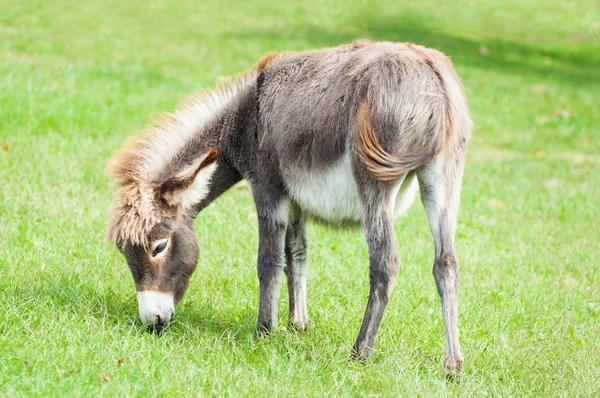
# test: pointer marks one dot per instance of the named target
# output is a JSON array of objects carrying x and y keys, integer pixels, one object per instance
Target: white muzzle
[{"x": 155, "y": 308}]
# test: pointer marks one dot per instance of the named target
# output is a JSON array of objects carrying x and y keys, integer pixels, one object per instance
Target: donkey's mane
[{"x": 136, "y": 207}]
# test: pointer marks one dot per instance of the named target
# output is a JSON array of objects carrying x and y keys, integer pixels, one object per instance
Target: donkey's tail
[
  {"x": 383, "y": 165},
  {"x": 450, "y": 125}
]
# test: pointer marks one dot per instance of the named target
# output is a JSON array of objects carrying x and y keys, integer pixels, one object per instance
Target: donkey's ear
[{"x": 191, "y": 185}]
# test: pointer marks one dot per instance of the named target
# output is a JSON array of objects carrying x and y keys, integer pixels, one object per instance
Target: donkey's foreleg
[
  {"x": 295, "y": 270},
  {"x": 272, "y": 224},
  {"x": 383, "y": 264},
  {"x": 440, "y": 184}
]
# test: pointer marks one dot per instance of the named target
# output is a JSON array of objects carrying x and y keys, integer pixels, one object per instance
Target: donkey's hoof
[
  {"x": 263, "y": 331},
  {"x": 298, "y": 326},
  {"x": 453, "y": 369},
  {"x": 361, "y": 352}
]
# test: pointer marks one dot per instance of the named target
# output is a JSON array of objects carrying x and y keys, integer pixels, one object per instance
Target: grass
[{"x": 77, "y": 78}]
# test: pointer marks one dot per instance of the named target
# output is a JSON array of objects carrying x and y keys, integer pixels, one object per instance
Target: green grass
[{"x": 77, "y": 78}]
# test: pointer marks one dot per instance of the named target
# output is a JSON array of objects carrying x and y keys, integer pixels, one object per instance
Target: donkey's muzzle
[{"x": 155, "y": 309}]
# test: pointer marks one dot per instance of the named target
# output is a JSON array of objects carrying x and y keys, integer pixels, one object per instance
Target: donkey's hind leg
[
  {"x": 377, "y": 202},
  {"x": 296, "y": 266},
  {"x": 440, "y": 184}
]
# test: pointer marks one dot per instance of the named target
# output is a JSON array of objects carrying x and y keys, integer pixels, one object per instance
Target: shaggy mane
[{"x": 137, "y": 206}]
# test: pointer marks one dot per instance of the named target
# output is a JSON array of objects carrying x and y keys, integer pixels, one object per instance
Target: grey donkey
[{"x": 344, "y": 135}]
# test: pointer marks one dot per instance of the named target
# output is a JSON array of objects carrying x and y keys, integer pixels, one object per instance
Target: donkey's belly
[{"x": 331, "y": 195}]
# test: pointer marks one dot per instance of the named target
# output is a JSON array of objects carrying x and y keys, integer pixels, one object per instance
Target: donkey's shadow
[{"x": 205, "y": 320}]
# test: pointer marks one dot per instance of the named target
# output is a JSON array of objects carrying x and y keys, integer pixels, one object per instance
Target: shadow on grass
[
  {"x": 575, "y": 65},
  {"x": 205, "y": 319}
]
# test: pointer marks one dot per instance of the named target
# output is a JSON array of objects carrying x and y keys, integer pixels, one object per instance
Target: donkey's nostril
[{"x": 159, "y": 324}]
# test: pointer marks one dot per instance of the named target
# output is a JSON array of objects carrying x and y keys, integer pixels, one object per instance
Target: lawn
[{"x": 77, "y": 78}]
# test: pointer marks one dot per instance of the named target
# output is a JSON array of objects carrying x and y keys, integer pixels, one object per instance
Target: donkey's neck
[{"x": 232, "y": 132}]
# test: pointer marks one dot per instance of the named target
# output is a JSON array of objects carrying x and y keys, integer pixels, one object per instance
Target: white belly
[{"x": 331, "y": 194}]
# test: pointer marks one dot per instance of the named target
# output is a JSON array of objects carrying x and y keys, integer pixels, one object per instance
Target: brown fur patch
[
  {"x": 447, "y": 259},
  {"x": 268, "y": 59},
  {"x": 381, "y": 164},
  {"x": 134, "y": 214},
  {"x": 360, "y": 43}
]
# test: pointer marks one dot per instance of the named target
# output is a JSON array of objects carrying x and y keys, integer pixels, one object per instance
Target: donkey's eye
[{"x": 160, "y": 247}]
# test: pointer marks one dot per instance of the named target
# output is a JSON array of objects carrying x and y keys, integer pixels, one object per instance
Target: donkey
[{"x": 344, "y": 135}]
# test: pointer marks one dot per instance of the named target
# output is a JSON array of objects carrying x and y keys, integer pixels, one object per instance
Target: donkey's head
[
  {"x": 152, "y": 225},
  {"x": 163, "y": 174}
]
